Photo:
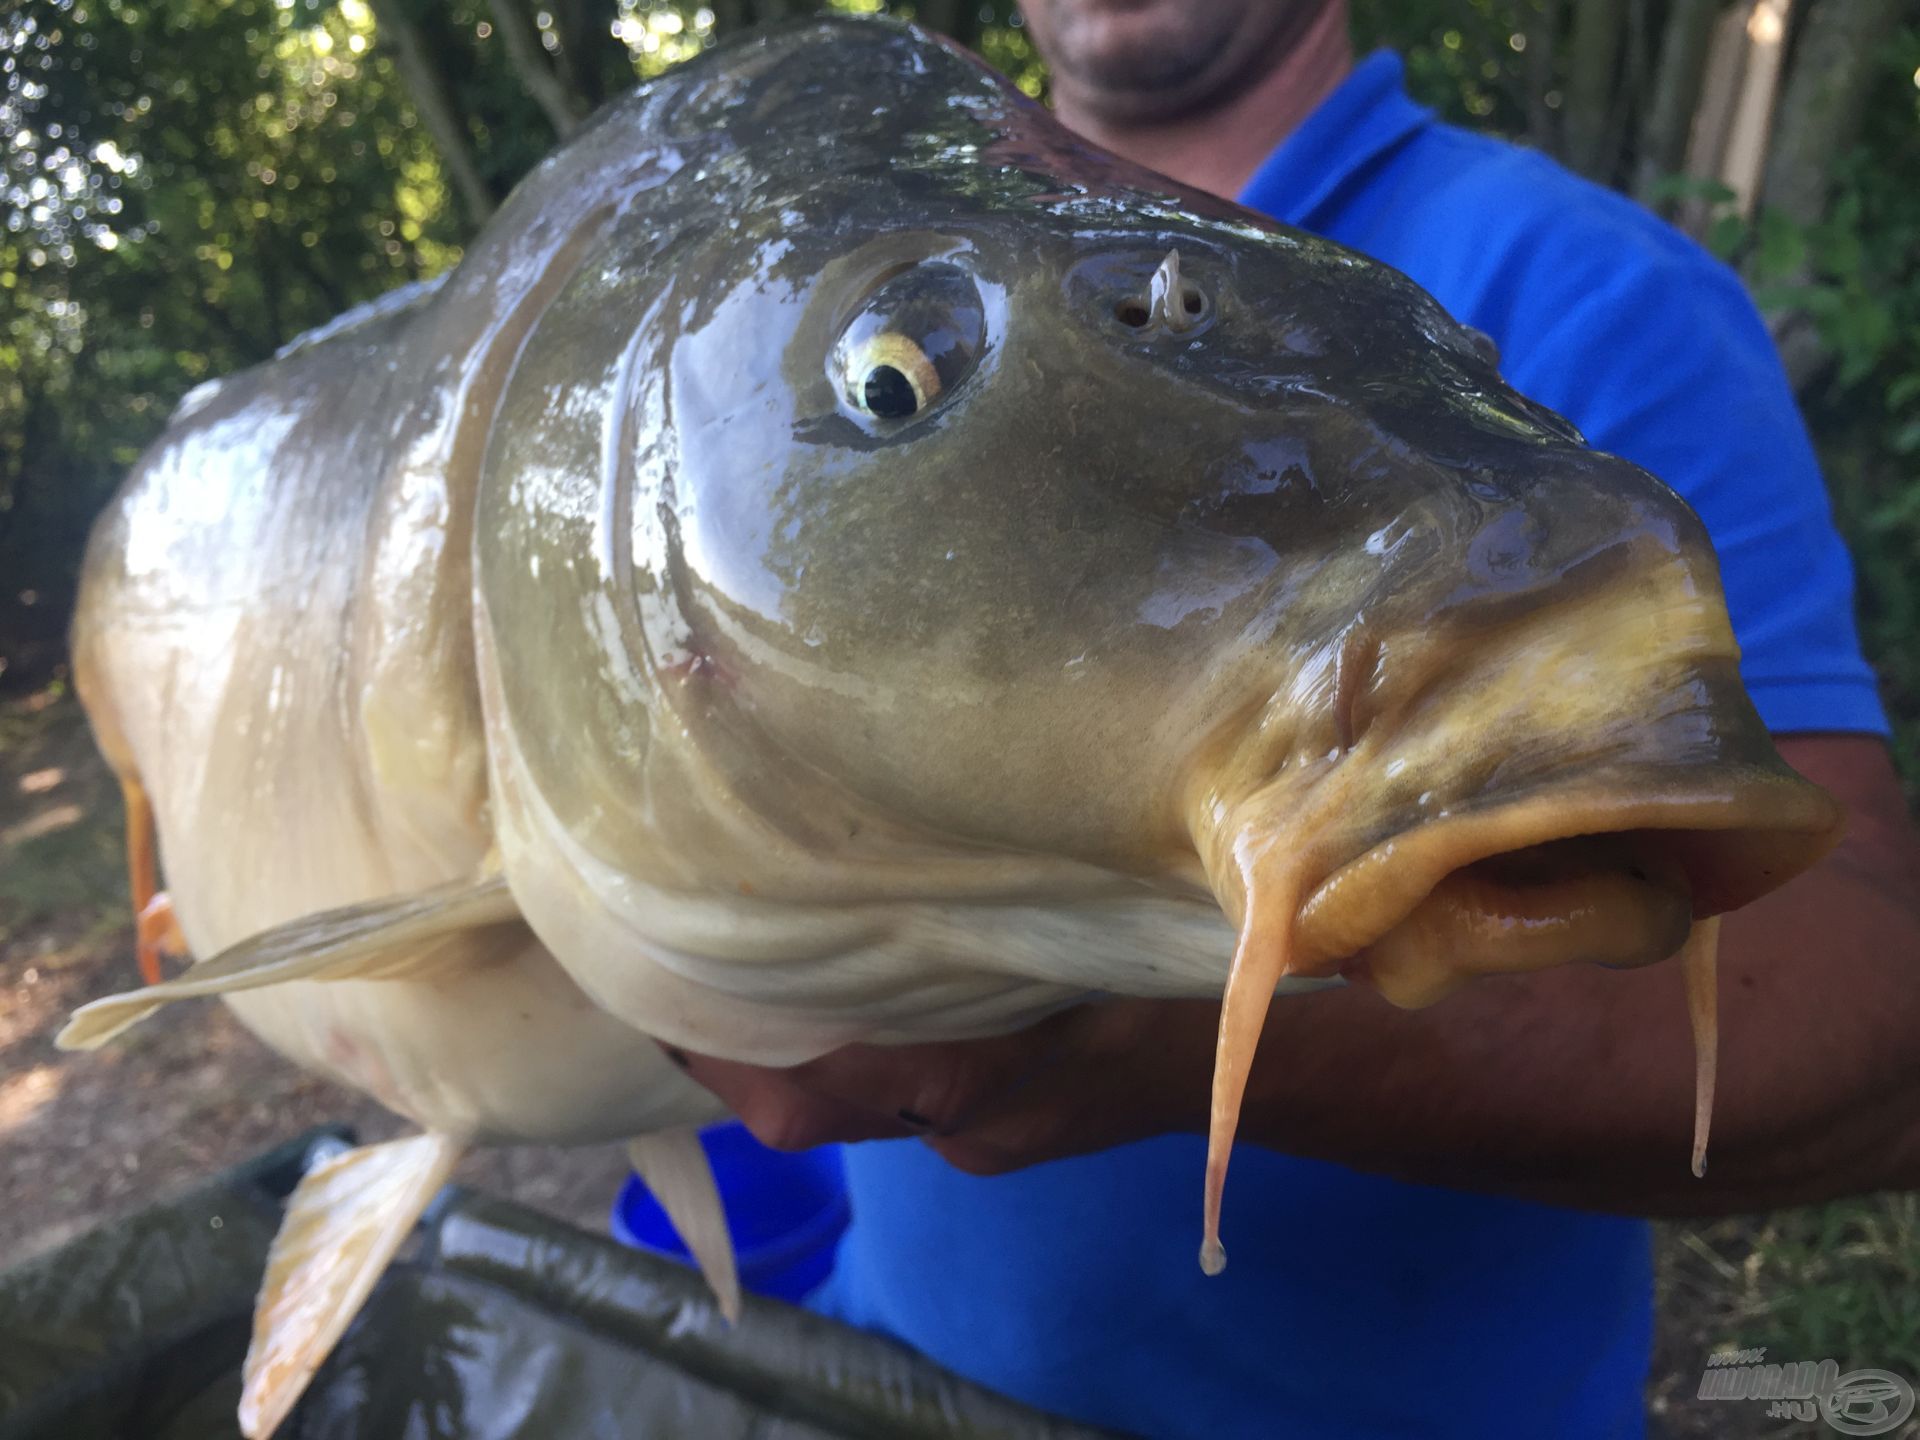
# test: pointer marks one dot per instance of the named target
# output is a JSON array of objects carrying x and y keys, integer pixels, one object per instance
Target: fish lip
[{"x": 1739, "y": 832}]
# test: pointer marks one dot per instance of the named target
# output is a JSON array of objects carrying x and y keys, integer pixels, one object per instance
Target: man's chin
[{"x": 1140, "y": 61}]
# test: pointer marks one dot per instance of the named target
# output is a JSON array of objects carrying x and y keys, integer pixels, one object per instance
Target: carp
[{"x": 841, "y": 559}]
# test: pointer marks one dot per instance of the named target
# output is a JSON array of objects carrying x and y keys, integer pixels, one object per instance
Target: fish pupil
[{"x": 888, "y": 393}]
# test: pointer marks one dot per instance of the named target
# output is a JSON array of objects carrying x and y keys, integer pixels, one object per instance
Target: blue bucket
[{"x": 785, "y": 1212}]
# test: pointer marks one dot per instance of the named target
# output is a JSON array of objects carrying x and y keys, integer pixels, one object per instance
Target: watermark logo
[{"x": 1859, "y": 1402}]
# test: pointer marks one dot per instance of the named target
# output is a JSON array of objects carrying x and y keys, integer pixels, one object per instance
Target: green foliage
[
  {"x": 186, "y": 186},
  {"x": 1839, "y": 1281},
  {"x": 1467, "y": 61},
  {"x": 1852, "y": 1271},
  {"x": 1854, "y": 275},
  {"x": 661, "y": 34}
]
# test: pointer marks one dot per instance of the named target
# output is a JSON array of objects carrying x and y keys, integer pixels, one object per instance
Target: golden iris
[{"x": 913, "y": 340}]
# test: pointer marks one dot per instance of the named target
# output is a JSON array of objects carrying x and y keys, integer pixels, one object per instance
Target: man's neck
[{"x": 1218, "y": 150}]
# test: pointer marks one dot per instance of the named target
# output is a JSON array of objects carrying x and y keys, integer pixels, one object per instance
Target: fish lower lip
[
  {"x": 1557, "y": 876},
  {"x": 1610, "y": 900}
]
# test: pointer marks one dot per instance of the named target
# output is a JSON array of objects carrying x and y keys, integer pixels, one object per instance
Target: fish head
[
  {"x": 1046, "y": 561},
  {"x": 1049, "y": 507}
]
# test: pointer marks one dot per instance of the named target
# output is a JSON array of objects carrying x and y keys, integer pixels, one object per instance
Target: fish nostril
[{"x": 1137, "y": 314}]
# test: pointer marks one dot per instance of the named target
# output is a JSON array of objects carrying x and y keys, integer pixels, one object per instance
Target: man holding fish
[
  {"x": 839, "y": 560},
  {"x": 1430, "y": 1229}
]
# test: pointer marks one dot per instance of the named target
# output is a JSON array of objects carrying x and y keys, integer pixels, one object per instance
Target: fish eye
[
  {"x": 893, "y": 378},
  {"x": 912, "y": 341}
]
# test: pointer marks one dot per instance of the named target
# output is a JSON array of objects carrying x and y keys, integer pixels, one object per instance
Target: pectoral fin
[
  {"x": 676, "y": 1171},
  {"x": 405, "y": 936},
  {"x": 343, "y": 1224}
]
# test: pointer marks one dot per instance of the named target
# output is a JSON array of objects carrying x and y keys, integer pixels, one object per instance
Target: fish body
[
  {"x": 274, "y": 634},
  {"x": 841, "y": 559},
  {"x": 274, "y": 644}
]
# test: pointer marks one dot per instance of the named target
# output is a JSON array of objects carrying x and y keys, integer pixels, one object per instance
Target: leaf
[
  {"x": 1782, "y": 247},
  {"x": 1671, "y": 188},
  {"x": 1726, "y": 236}
]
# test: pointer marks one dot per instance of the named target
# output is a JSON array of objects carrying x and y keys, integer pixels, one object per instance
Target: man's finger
[
  {"x": 1122, "y": 1070},
  {"x": 936, "y": 1088},
  {"x": 785, "y": 1115}
]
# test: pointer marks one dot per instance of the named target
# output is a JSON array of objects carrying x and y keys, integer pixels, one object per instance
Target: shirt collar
[{"x": 1369, "y": 114}]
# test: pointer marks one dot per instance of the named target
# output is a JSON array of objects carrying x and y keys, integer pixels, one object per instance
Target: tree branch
[
  {"x": 529, "y": 60},
  {"x": 433, "y": 98}
]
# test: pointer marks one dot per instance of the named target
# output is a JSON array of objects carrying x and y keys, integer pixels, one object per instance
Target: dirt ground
[{"x": 87, "y": 1137}]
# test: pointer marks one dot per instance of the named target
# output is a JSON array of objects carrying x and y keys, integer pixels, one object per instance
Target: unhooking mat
[{"x": 501, "y": 1322}]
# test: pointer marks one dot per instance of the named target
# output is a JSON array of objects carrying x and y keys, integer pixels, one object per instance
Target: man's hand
[
  {"x": 1572, "y": 1086},
  {"x": 1092, "y": 1077}
]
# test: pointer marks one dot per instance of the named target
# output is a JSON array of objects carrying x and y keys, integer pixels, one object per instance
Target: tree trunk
[
  {"x": 1676, "y": 90},
  {"x": 1592, "y": 61},
  {"x": 1713, "y": 116},
  {"x": 1629, "y": 91},
  {"x": 433, "y": 98},
  {"x": 594, "y": 64},
  {"x": 1824, "y": 102},
  {"x": 17, "y": 479},
  {"x": 1752, "y": 127},
  {"x": 941, "y": 16},
  {"x": 1543, "y": 37},
  {"x": 1818, "y": 120},
  {"x": 529, "y": 60}
]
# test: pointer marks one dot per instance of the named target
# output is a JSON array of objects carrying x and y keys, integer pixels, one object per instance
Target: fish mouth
[
  {"x": 1593, "y": 899},
  {"x": 1627, "y": 868},
  {"x": 1558, "y": 877}
]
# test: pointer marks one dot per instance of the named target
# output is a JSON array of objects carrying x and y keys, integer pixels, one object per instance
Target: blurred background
[{"x": 186, "y": 185}]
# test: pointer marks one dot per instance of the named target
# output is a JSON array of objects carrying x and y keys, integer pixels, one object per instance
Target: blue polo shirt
[{"x": 1357, "y": 1306}]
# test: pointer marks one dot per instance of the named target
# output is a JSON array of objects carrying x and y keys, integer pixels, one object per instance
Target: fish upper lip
[{"x": 1738, "y": 832}]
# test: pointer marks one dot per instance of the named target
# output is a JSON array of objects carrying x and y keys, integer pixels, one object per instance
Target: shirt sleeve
[{"x": 1654, "y": 350}]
